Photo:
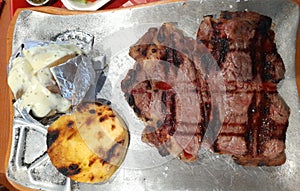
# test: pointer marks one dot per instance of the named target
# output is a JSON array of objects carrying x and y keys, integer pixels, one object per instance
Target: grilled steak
[
  {"x": 168, "y": 90},
  {"x": 255, "y": 117},
  {"x": 220, "y": 89}
]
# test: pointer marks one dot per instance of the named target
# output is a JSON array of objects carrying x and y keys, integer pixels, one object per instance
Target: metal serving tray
[{"x": 144, "y": 168}]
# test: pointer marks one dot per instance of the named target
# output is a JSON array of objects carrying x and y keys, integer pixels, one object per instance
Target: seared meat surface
[
  {"x": 167, "y": 89},
  {"x": 220, "y": 89},
  {"x": 255, "y": 118}
]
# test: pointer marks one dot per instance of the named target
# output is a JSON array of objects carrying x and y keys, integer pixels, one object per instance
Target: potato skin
[{"x": 88, "y": 145}]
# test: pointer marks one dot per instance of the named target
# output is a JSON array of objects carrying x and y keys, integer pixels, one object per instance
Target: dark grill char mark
[
  {"x": 51, "y": 137},
  {"x": 71, "y": 170},
  {"x": 267, "y": 141},
  {"x": 114, "y": 152},
  {"x": 171, "y": 118},
  {"x": 261, "y": 129},
  {"x": 251, "y": 133}
]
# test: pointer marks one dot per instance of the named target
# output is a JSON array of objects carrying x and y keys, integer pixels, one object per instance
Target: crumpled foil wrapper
[
  {"x": 74, "y": 78},
  {"x": 143, "y": 168},
  {"x": 82, "y": 40}
]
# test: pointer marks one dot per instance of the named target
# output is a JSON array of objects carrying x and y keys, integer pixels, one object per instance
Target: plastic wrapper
[{"x": 144, "y": 168}]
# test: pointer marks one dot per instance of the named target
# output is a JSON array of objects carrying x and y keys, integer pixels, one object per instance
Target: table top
[
  {"x": 5, "y": 117},
  {"x": 4, "y": 135}
]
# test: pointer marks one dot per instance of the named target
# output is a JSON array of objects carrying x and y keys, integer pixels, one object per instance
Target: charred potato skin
[{"x": 70, "y": 153}]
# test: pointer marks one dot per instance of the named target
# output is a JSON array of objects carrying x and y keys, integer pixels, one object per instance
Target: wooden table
[{"x": 5, "y": 102}]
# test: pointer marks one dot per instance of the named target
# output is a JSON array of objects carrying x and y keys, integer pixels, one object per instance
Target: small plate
[
  {"x": 37, "y": 3},
  {"x": 89, "y": 6}
]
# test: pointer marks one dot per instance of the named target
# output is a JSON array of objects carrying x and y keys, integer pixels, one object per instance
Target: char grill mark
[
  {"x": 71, "y": 170},
  {"x": 266, "y": 145},
  {"x": 254, "y": 132},
  {"x": 51, "y": 137}
]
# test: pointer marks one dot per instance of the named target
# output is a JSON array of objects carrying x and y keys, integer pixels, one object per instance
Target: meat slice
[
  {"x": 266, "y": 135},
  {"x": 168, "y": 90},
  {"x": 246, "y": 32},
  {"x": 254, "y": 118},
  {"x": 254, "y": 128}
]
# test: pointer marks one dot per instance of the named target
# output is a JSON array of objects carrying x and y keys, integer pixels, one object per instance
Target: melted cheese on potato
[
  {"x": 47, "y": 56},
  {"x": 30, "y": 76}
]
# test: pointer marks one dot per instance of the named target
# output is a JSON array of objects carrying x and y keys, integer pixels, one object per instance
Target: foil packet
[{"x": 74, "y": 78}]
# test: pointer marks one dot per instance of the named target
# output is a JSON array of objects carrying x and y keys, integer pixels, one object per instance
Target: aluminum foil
[
  {"x": 144, "y": 169},
  {"x": 81, "y": 39},
  {"x": 74, "y": 78}
]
